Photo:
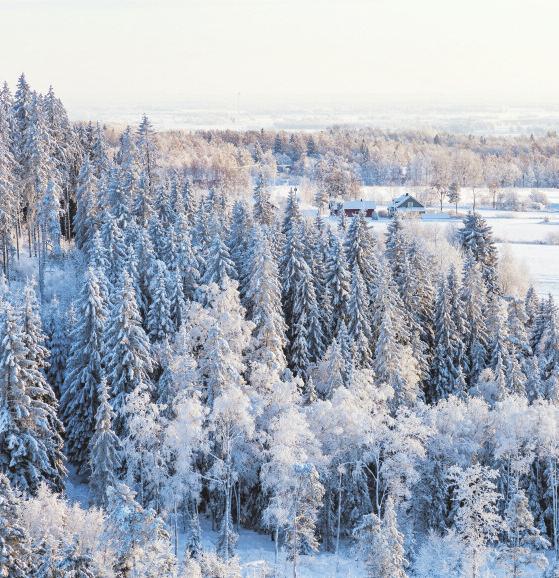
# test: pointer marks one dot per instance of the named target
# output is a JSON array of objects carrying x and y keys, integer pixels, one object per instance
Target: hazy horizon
[{"x": 294, "y": 53}]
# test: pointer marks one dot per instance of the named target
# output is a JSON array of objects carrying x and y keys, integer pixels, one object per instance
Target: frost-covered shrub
[{"x": 440, "y": 557}]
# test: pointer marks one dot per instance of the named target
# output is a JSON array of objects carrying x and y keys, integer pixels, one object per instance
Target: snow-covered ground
[
  {"x": 542, "y": 264},
  {"x": 256, "y": 551}
]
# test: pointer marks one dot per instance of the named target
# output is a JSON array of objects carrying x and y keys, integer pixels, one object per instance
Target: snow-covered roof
[
  {"x": 396, "y": 202},
  {"x": 360, "y": 205},
  {"x": 400, "y": 199}
]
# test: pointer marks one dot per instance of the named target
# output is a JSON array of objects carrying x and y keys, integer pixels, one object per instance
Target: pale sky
[{"x": 150, "y": 52}]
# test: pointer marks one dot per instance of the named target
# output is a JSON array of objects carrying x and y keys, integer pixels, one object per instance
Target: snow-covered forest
[{"x": 184, "y": 360}]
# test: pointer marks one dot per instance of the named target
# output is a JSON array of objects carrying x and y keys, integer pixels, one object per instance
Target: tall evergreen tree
[
  {"x": 475, "y": 329},
  {"x": 15, "y": 546},
  {"x": 43, "y": 401},
  {"x": 360, "y": 246},
  {"x": 264, "y": 306},
  {"x": 159, "y": 323},
  {"x": 83, "y": 374},
  {"x": 25, "y": 455},
  {"x": 104, "y": 450},
  {"x": 127, "y": 357},
  {"x": 446, "y": 371},
  {"x": 84, "y": 219},
  {"x": 58, "y": 346},
  {"x": 219, "y": 266},
  {"x": 307, "y": 344},
  {"x": 263, "y": 208},
  {"x": 397, "y": 243},
  {"x": 476, "y": 238},
  {"x": 337, "y": 282},
  {"x": 359, "y": 327}
]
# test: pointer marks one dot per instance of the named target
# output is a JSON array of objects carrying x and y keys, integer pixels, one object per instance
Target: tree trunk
[{"x": 339, "y": 522}]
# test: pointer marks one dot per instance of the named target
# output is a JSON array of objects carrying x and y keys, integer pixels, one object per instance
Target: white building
[{"x": 406, "y": 205}]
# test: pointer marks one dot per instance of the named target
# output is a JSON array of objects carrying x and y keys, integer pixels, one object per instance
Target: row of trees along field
[{"x": 209, "y": 362}]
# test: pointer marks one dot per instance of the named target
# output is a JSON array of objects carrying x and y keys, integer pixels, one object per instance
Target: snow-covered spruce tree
[
  {"x": 98, "y": 153},
  {"x": 58, "y": 345},
  {"x": 263, "y": 300},
  {"x": 159, "y": 323},
  {"x": 517, "y": 326},
  {"x": 394, "y": 362},
  {"x": 359, "y": 327},
  {"x": 65, "y": 152},
  {"x": 143, "y": 203},
  {"x": 83, "y": 373},
  {"x": 239, "y": 243},
  {"x": 186, "y": 264},
  {"x": 97, "y": 257},
  {"x": 126, "y": 156},
  {"x": 115, "y": 247},
  {"x": 531, "y": 307},
  {"x": 547, "y": 349},
  {"x": 397, "y": 244},
  {"x": 186, "y": 200},
  {"x": 176, "y": 298},
  {"x": 163, "y": 203},
  {"x": 170, "y": 248},
  {"x": 25, "y": 458},
  {"x": 476, "y": 519},
  {"x": 104, "y": 450},
  {"x": 38, "y": 167},
  {"x": 127, "y": 355},
  {"x": 418, "y": 299},
  {"x": 201, "y": 233},
  {"x": 117, "y": 199},
  {"x": 307, "y": 341},
  {"x": 219, "y": 265},
  {"x": 476, "y": 238},
  {"x": 457, "y": 311},
  {"x": 263, "y": 207},
  {"x": 15, "y": 548},
  {"x": 21, "y": 112},
  {"x": 346, "y": 347},
  {"x": 9, "y": 198},
  {"x": 44, "y": 404},
  {"x": 545, "y": 309},
  {"x": 317, "y": 249},
  {"x": 148, "y": 156},
  {"x": 475, "y": 313},
  {"x": 497, "y": 331},
  {"x": 446, "y": 370},
  {"x": 157, "y": 235},
  {"x": 292, "y": 256},
  {"x": 381, "y": 545},
  {"x": 337, "y": 282},
  {"x": 360, "y": 247}
]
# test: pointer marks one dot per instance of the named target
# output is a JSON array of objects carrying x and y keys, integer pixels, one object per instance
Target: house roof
[
  {"x": 396, "y": 202},
  {"x": 360, "y": 205}
]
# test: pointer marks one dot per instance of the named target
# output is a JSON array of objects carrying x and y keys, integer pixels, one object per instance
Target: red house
[{"x": 352, "y": 208}]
